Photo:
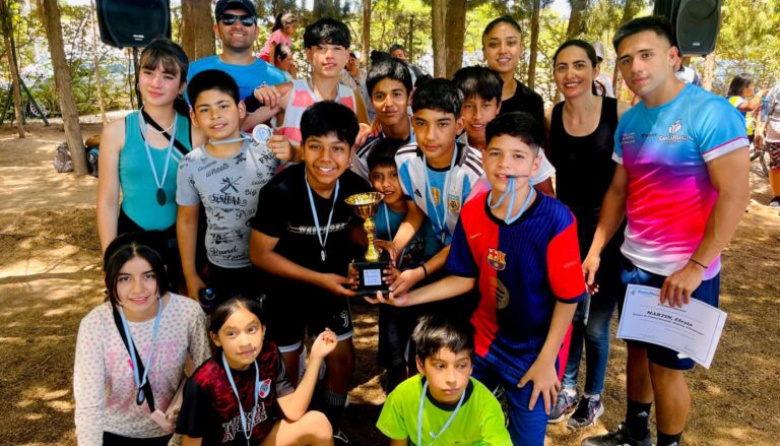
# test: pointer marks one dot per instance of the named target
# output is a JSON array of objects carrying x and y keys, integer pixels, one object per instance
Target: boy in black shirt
[{"x": 303, "y": 239}]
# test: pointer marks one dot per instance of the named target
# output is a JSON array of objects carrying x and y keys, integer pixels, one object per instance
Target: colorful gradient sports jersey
[
  {"x": 522, "y": 269},
  {"x": 665, "y": 151}
]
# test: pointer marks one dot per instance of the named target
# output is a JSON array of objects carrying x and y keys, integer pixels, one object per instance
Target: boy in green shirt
[{"x": 443, "y": 404}]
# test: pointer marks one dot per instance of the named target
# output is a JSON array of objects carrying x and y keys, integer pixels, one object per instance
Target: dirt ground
[{"x": 50, "y": 278}]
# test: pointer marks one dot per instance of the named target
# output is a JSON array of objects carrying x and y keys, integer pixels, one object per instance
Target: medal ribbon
[
  {"x": 441, "y": 221},
  {"x": 157, "y": 181},
  {"x": 511, "y": 192},
  {"x": 244, "y": 425},
  {"x": 446, "y": 425},
  {"x": 316, "y": 218},
  {"x": 141, "y": 381}
]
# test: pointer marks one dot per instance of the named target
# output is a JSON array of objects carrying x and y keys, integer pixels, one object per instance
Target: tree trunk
[
  {"x": 197, "y": 35},
  {"x": 630, "y": 10},
  {"x": 95, "y": 61},
  {"x": 455, "y": 35},
  {"x": 709, "y": 71},
  {"x": 438, "y": 19},
  {"x": 537, "y": 6},
  {"x": 70, "y": 115},
  {"x": 577, "y": 19},
  {"x": 366, "y": 36},
  {"x": 16, "y": 89}
]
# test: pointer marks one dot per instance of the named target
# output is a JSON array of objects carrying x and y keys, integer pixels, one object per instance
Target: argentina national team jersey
[
  {"x": 412, "y": 172},
  {"x": 522, "y": 270},
  {"x": 665, "y": 151}
]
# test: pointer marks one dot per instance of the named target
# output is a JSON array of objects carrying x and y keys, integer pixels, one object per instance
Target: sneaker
[
  {"x": 564, "y": 405},
  {"x": 588, "y": 411},
  {"x": 775, "y": 203},
  {"x": 340, "y": 438},
  {"x": 620, "y": 437}
]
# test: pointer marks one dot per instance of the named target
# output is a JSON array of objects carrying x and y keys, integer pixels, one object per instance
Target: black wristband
[{"x": 425, "y": 270}]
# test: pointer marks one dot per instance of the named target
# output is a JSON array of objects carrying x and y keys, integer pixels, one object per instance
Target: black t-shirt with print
[
  {"x": 284, "y": 212},
  {"x": 210, "y": 409}
]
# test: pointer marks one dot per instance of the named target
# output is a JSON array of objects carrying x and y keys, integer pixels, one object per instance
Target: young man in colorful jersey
[
  {"x": 520, "y": 248},
  {"x": 682, "y": 182}
]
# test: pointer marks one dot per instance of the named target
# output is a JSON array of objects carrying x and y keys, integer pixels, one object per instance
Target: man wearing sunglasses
[{"x": 236, "y": 28}]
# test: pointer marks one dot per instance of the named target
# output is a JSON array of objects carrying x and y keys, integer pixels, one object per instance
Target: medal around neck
[
  {"x": 262, "y": 133},
  {"x": 370, "y": 271}
]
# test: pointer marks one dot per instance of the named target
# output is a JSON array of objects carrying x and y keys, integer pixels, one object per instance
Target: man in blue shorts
[
  {"x": 682, "y": 182},
  {"x": 236, "y": 28}
]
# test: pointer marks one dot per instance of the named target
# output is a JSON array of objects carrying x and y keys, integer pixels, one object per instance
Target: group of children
[{"x": 499, "y": 261}]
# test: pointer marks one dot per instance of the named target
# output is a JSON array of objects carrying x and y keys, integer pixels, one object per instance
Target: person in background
[
  {"x": 742, "y": 95},
  {"x": 685, "y": 74},
  {"x": 602, "y": 82},
  {"x": 282, "y": 33},
  {"x": 283, "y": 60},
  {"x": 354, "y": 77},
  {"x": 397, "y": 51},
  {"x": 768, "y": 138}
]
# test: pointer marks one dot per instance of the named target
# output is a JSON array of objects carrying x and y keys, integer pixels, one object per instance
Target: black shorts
[{"x": 291, "y": 316}]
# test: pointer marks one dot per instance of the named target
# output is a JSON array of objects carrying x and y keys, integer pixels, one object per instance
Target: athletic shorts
[
  {"x": 290, "y": 317},
  {"x": 707, "y": 292}
]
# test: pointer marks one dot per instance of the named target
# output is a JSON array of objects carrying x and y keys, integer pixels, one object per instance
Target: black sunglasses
[{"x": 230, "y": 19}]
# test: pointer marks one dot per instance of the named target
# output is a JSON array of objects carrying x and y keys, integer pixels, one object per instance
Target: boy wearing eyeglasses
[{"x": 236, "y": 27}]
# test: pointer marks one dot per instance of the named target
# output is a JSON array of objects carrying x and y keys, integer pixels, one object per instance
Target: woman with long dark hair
[
  {"x": 581, "y": 131},
  {"x": 140, "y": 154},
  {"x": 131, "y": 350}
]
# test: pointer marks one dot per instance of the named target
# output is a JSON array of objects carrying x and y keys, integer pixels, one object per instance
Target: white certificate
[{"x": 693, "y": 330}]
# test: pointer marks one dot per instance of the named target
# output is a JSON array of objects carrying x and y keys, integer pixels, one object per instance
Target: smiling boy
[
  {"x": 302, "y": 239},
  {"x": 224, "y": 176},
  {"x": 443, "y": 404}
]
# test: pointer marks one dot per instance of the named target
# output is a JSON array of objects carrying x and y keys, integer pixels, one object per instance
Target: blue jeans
[
  {"x": 595, "y": 336},
  {"x": 526, "y": 427}
]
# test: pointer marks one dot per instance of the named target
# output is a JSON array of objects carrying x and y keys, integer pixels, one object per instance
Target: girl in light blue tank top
[{"x": 139, "y": 157}]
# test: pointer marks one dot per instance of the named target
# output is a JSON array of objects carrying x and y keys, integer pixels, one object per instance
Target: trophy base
[{"x": 370, "y": 277}]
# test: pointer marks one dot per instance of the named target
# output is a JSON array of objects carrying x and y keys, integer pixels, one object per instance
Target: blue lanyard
[
  {"x": 323, "y": 255},
  {"x": 141, "y": 382},
  {"x": 510, "y": 190},
  {"x": 441, "y": 221},
  {"x": 161, "y": 198},
  {"x": 243, "y": 137},
  {"x": 251, "y": 425},
  {"x": 390, "y": 233},
  {"x": 446, "y": 425}
]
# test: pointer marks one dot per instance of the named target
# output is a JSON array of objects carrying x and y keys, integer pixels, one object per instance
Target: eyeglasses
[{"x": 230, "y": 19}]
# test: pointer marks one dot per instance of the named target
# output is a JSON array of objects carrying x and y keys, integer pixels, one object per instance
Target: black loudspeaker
[
  {"x": 695, "y": 24},
  {"x": 133, "y": 23}
]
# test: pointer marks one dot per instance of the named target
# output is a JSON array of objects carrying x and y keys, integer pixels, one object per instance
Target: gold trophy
[{"x": 370, "y": 271}]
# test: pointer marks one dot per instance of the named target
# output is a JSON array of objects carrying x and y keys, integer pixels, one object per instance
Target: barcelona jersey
[{"x": 522, "y": 270}]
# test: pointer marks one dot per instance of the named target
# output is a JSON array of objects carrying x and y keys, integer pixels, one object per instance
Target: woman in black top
[
  {"x": 581, "y": 133},
  {"x": 502, "y": 47}
]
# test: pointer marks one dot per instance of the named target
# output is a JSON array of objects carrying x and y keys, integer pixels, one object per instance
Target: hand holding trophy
[{"x": 369, "y": 272}]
